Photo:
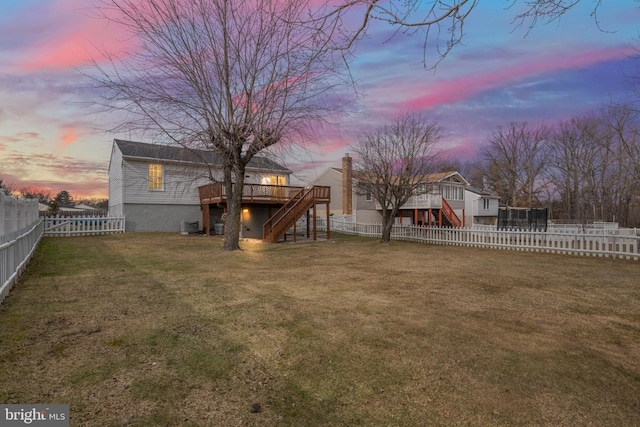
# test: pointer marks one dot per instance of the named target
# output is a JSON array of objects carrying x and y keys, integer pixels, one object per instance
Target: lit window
[
  {"x": 155, "y": 177},
  {"x": 278, "y": 180}
]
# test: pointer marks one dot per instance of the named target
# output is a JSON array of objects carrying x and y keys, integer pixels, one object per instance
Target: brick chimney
[{"x": 347, "y": 185}]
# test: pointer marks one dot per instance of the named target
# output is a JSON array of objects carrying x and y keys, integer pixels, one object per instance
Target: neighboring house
[
  {"x": 88, "y": 209},
  {"x": 43, "y": 207},
  {"x": 66, "y": 210},
  {"x": 480, "y": 207},
  {"x": 439, "y": 202},
  {"x": 347, "y": 203},
  {"x": 161, "y": 188}
]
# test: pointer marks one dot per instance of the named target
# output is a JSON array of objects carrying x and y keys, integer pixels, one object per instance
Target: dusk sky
[{"x": 558, "y": 71}]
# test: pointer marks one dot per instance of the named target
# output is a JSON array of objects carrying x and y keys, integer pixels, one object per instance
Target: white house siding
[
  {"x": 181, "y": 184},
  {"x": 475, "y": 213},
  {"x": 115, "y": 180},
  {"x": 365, "y": 211},
  {"x": 367, "y": 216},
  {"x": 331, "y": 178}
]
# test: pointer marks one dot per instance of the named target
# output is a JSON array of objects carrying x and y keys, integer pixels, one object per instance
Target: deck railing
[
  {"x": 450, "y": 214},
  {"x": 291, "y": 211},
  {"x": 252, "y": 193},
  {"x": 581, "y": 244},
  {"x": 422, "y": 201}
]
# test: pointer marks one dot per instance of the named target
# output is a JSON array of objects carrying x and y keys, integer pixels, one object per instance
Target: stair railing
[
  {"x": 269, "y": 224},
  {"x": 450, "y": 214}
]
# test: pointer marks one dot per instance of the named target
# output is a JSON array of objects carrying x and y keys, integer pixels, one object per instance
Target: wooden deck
[{"x": 252, "y": 193}]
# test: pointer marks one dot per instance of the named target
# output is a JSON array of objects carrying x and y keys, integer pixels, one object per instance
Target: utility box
[
  {"x": 189, "y": 227},
  {"x": 218, "y": 228}
]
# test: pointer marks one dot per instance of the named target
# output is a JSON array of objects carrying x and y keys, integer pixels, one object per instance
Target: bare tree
[
  {"x": 392, "y": 161},
  {"x": 236, "y": 77},
  {"x": 9, "y": 188},
  {"x": 573, "y": 146},
  {"x": 588, "y": 169},
  {"x": 470, "y": 170},
  {"x": 441, "y": 21},
  {"x": 623, "y": 126},
  {"x": 514, "y": 160},
  {"x": 595, "y": 165},
  {"x": 35, "y": 193},
  {"x": 624, "y": 122}
]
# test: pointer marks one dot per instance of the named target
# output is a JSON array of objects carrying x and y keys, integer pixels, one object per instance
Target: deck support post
[
  {"x": 205, "y": 218},
  {"x": 315, "y": 223},
  {"x": 328, "y": 224}
]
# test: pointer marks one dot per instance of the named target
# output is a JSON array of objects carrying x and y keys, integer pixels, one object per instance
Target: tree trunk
[
  {"x": 387, "y": 224},
  {"x": 234, "y": 208}
]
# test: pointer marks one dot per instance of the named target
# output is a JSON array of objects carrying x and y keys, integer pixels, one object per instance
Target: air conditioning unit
[{"x": 189, "y": 227}]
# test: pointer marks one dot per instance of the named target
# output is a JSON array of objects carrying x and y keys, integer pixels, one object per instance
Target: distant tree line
[
  {"x": 584, "y": 169},
  {"x": 62, "y": 199}
]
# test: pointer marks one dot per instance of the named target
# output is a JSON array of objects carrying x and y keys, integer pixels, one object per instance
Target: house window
[
  {"x": 278, "y": 180},
  {"x": 451, "y": 192},
  {"x": 156, "y": 181},
  {"x": 485, "y": 204},
  {"x": 274, "y": 180},
  {"x": 368, "y": 195}
]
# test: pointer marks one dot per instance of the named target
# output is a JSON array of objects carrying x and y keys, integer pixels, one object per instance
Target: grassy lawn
[{"x": 162, "y": 329}]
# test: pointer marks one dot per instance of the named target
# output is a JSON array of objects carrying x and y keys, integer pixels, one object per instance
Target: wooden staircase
[
  {"x": 277, "y": 226},
  {"x": 449, "y": 217}
]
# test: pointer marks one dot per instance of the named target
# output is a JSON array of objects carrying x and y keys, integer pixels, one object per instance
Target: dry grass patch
[{"x": 161, "y": 329}]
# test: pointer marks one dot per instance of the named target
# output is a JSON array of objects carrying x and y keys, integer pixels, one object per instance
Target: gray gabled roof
[
  {"x": 141, "y": 150},
  {"x": 481, "y": 192}
]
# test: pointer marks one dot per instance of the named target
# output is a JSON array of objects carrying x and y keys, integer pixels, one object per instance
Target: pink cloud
[
  {"x": 9, "y": 139},
  {"x": 72, "y": 49},
  {"x": 20, "y": 137},
  {"x": 451, "y": 91},
  {"x": 69, "y": 136},
  {"x": 28, "y": 135},
  {"x": 84, "y": 178},
  {"x": 64, "y": 35},
  {"x": 332, "y": 145},
  {"x": 465, "y": 150}
]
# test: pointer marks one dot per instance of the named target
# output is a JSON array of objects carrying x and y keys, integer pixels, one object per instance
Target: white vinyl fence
[
  {"x": 20, "y": 232},
  {"x": 82, "y": 225},
  {"x": 575, "y": 243},
  {"x": 21, "y": 229}
]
